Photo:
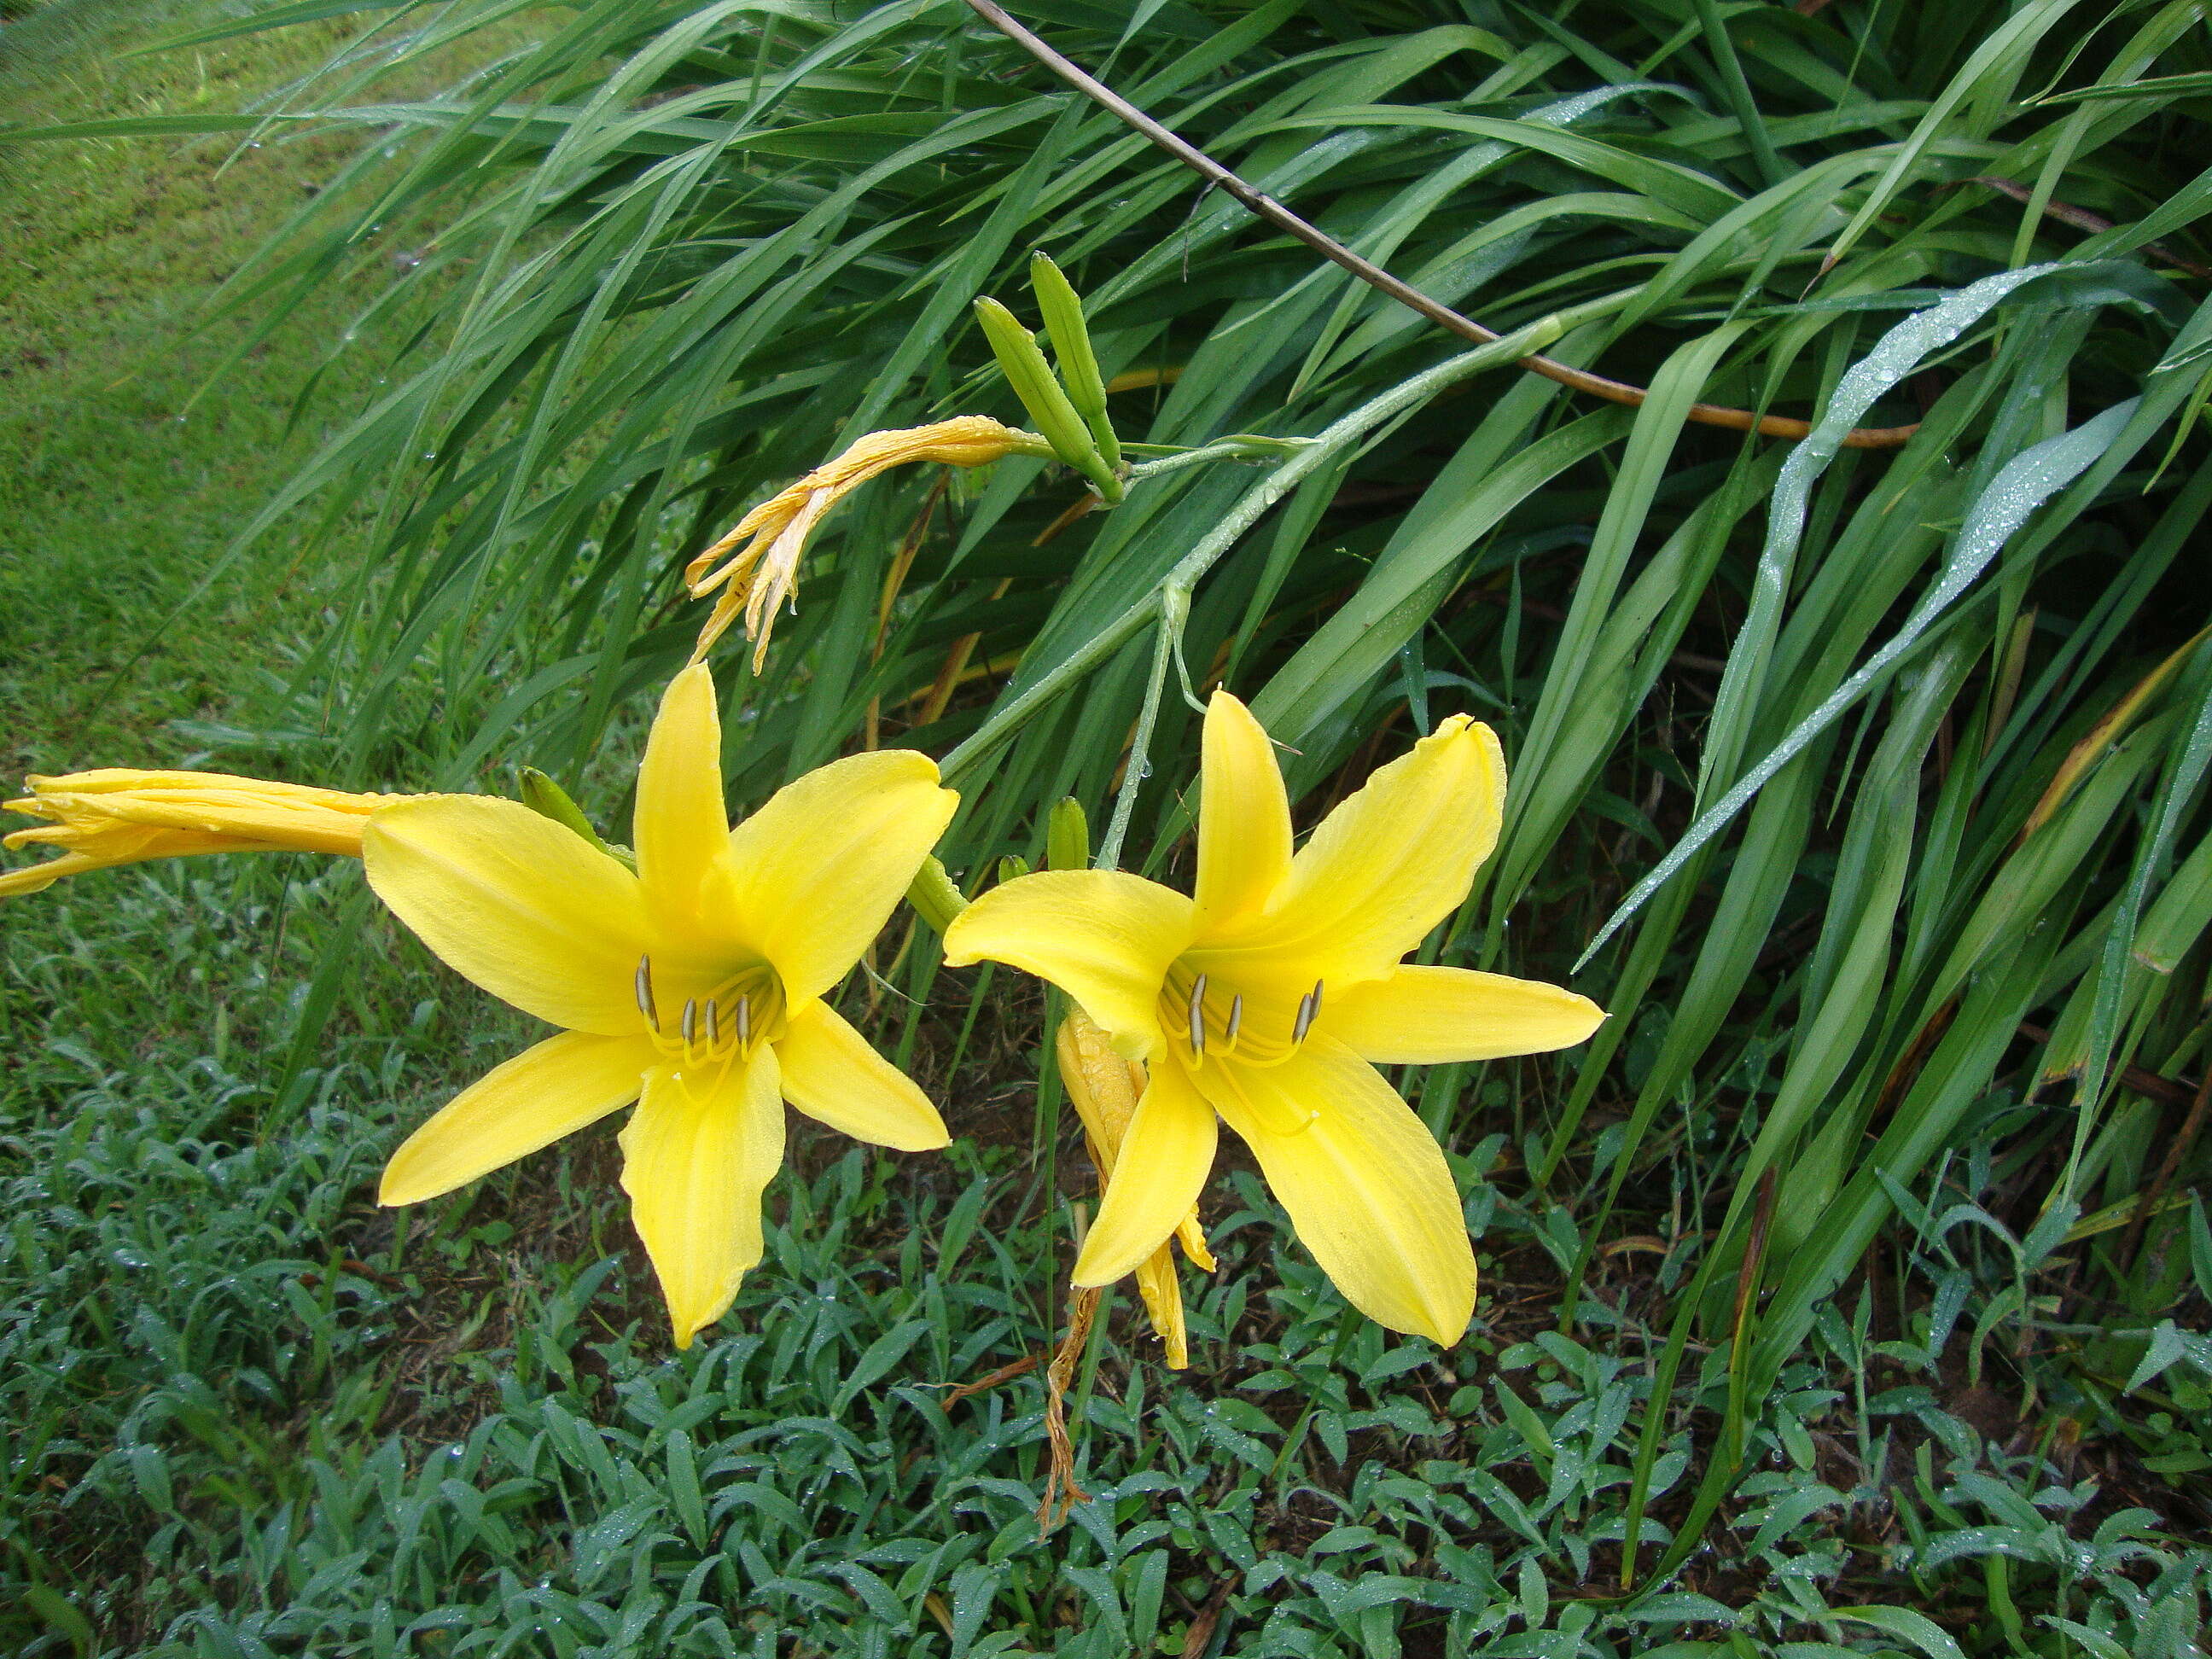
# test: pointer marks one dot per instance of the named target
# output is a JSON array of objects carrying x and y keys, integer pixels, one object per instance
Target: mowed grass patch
[{"x": 125, "y": 472}]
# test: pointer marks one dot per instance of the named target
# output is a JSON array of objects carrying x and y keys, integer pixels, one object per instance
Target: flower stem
[
  {"x": 1255, "y": 504},
  {"x": 1139, "y": 764}
]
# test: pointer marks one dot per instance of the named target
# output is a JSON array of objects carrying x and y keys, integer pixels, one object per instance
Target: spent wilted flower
[
  {"x": 755, "y": 565},
  {"x": 1105, "y": 1089},
  {"x": 692, "y": 985},
  {"x": 121, "y": 815},
  {"x": 1270, "y": 997}
]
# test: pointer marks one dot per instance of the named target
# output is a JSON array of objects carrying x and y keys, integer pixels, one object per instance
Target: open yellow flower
[
  {"x": 1270, "y": 997},
  {"x": 1106, "y": 1089},
  {"x": 118, "y": 816},
  {"x": 756, "y": 564},
  {"x": 692, "y": 986}
]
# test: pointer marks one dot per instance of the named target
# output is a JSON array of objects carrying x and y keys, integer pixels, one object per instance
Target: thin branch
[
  {"x": 2080, "y": 218},
  {"x": 1268, "y": 208}
]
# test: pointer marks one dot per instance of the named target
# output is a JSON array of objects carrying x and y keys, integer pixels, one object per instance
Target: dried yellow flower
[{"x": 755, "y": 566}]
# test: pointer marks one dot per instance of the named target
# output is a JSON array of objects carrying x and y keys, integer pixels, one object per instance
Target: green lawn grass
[{"x": 250, "y": 1414}]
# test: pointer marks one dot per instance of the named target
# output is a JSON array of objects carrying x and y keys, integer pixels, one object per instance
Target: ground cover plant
[{"x": 1845, "y": 1293}]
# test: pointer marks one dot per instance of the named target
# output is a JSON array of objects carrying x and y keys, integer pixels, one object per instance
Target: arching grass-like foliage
[{"x": 1877, "y": 772}]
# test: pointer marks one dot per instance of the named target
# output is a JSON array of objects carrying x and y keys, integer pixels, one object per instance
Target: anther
[
  {"x": 690, "y": 1025},
  {"x": 1236, "y": 1017},
  {"x": 713, "y": 1024},
  {"x": 1308, "y": 1011},
  {"x": 645, "y": 992},
  {"x": 1197, "y": 1016},
  {"x": 744, "y": 1022}
]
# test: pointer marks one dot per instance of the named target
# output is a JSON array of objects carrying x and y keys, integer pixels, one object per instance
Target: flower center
[
  {"x": 1207, "y": 1017},
  {"x": 740, "y": 1012},
  {"x": 1211, "y": 1022}
]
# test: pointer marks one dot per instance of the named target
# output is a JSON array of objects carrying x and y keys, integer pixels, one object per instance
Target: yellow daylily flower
[
  {"x": 1106, "y": 1089},
  {"x": 120, "y": 816},
  {"x": 756, "y": 564},
  {"x": 692, "y": 986},
  {"x": 1269, "y": 996}
]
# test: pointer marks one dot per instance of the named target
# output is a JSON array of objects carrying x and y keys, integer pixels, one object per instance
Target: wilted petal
[
  {"x": 1431, "y": 1016},
  {"x": 1163, "y": 1298},
  {"x": 529, "y": 1102}
]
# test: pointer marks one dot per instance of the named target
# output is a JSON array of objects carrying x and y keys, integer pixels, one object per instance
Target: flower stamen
[
  {"x": 1198, "y": 1018},
  {"x": 644, "y": 994},
  {"x": 1308, "y": 1011},
  {"x": 1235, "y": 1020}
]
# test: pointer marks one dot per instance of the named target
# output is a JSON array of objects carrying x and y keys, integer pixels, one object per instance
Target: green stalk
[{"x": 1256, "y": 504}]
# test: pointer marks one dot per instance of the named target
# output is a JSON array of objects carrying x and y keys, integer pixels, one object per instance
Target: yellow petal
[
  {"x": 1104, "y": 937},
  {"x": 1366, "y": 1186},
  {"x": 1105, "y": 1089},
  {"x": 821, "y": 866},
  {"x": 1430, "y": 1016},
  {"x": 681, "y": 825},
  {"x": 1163, "y": 1161},
  {"x": 1390, "y": 862},
  {"x": 831, "y": 1073},
  {"x": 1163, "y": 1298},
  {"x": 1243, "y": 815},
  {"x": 531, "y": 1100},
  {"x": 527, "y": 909},
  {"x": 1192, "y": 1237},
  {"x": 697, "y": 1156}
]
